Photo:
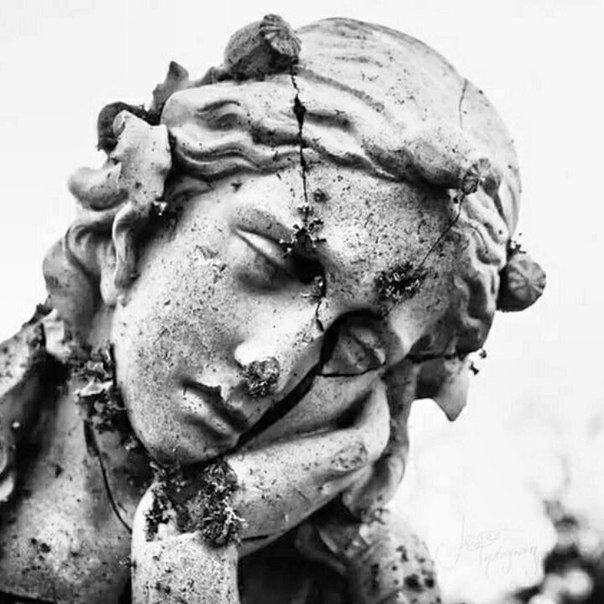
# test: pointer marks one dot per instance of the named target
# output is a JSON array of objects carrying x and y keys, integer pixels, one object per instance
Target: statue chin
[{"x": 275, "y": 261}]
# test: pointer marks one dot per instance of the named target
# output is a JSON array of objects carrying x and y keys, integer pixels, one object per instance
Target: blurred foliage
[{"x": 573, "y": 569}]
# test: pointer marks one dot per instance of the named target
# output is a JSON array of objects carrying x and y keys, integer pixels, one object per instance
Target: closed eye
[
  {"x": 269, "y": 249},
  {"x": 277, "y": 263}
]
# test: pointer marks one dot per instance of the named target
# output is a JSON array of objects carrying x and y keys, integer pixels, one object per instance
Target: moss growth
[
  {"x": 99, "y": 396},
  {"x": 200, "y": 498},
  {"x": 399, "y": 283},
  {"x": 305, "y": 238},
  {"x": 260, "y": 377},
  {"x": 210, "y": 511},
  {"x": 159, "y": 512}
]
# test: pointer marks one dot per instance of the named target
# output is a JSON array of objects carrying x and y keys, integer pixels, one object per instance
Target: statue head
[{"x": 328, "y": 202}]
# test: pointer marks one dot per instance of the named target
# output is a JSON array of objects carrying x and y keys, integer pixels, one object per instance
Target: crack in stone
[
  {"x": 281, "y": 408},
  {"x": 444, "y": 233},
  {"x": 93, "y": 446},
  {"x": 300, "y": 112},
  {"x": 445, "y": 356},
  {"x": 336, "y": 374},
  {"x": 418, "y": 272},
  {"x": 461, "y": 100},
  {"x": 317, "y": 318}
]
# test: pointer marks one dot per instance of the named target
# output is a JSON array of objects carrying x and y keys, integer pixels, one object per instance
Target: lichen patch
[
  {"x": 261, "y": 377},
  {"x": 201, "y": 501},
  {"x": 399, "y": 283}
]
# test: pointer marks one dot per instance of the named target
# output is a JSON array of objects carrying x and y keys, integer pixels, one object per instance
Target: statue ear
[
  {"x": 446, "y": 381},
  {"x": 79, "y": 271}
]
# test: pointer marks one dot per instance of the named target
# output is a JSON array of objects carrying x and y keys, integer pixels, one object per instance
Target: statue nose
[
  {"x": 283, "y": 340},
  {"x": 276, "y": 361},
  {"x": 249, "y": 352}
]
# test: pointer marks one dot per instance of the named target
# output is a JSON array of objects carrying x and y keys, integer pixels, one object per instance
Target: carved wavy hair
[{"x": 223, "y": 128}]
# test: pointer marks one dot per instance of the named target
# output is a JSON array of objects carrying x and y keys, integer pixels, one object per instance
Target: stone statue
[{"x": 273, "y": 263}]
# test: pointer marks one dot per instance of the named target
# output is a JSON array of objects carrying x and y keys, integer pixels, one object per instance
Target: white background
[{"x": 534, "y": 427}]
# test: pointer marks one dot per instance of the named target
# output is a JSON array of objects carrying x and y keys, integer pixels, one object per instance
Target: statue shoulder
[
  {"x": 57, "y": 509},
  {"x": 30, "y": 375}
]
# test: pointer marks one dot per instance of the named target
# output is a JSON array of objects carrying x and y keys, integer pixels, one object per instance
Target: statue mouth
[
  {"x": 223, "y": 420},
  {"x": 227, "y": 423}
]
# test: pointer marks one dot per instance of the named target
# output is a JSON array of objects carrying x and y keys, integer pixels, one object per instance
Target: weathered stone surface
[{"x": 275, "y": 261}]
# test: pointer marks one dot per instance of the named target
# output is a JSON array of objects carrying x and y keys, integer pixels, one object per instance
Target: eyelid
[
  {"x": 259, "y": 222},
  {"x": 267, "y": 247}
]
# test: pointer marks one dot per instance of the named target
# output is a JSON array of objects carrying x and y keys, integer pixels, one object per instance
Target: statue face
[{"x": 221, "y": 323}]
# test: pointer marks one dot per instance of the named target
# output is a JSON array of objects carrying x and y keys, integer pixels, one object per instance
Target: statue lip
[{"x": 232, "y": 421}]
